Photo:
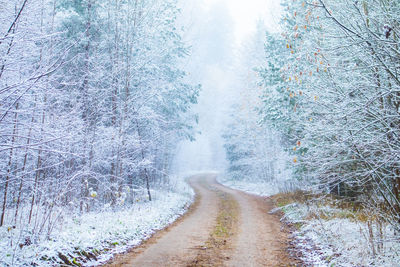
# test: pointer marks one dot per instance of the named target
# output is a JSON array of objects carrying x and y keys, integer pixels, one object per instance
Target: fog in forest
[{"x": 217, "y": 29}]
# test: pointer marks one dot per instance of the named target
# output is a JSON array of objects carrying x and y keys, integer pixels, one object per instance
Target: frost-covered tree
[
  {"x": 340, "y": 76},
  {"x": 93, "y": 103},
  {"x": 253, "y": 147}
]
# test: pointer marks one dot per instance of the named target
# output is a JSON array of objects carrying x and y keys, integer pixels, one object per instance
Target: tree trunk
[
  {"x": 23, "y": 170},
  {"x": 114, "y": 108},
  {"x": 146, "y": 173},
  {"x": 396, "y": 193},
  {"x": 3, "y": 212},
  {"x": 38, "y": 166},
  {"x": 86, "y": 111}
]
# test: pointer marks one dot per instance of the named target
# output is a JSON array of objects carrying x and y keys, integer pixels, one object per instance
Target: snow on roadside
[
  {"x": 256, "y": 188},
  {"x": 105, "y": 233},
  {"x": 336, "y": 240}
]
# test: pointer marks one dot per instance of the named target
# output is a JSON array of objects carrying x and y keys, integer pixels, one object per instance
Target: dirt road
[{"x": 224, "y": 227}]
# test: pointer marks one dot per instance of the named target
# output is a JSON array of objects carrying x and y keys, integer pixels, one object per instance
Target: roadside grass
[
  {"x": 94, "y": 238},
  {"x": 326, "y": 207},
  {"x": 332, "y": 231}
]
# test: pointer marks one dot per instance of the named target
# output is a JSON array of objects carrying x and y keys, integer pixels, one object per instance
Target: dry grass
[
  {"x": 283, "y": 199},
  {"x": 346, "y": 209},
  {"x": 212, "y": 253}
]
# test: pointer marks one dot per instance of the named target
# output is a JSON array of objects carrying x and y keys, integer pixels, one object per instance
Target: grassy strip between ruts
[{"x": 211, "y": 254}]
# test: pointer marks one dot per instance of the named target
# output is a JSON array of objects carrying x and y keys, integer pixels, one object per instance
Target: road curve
[{"x": 257, "y": 239}]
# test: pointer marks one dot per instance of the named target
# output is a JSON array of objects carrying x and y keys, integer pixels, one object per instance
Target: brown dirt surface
[{"x": 224, "y": 227}]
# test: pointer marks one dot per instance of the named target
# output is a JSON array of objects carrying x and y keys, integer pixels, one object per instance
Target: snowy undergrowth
[
  {"x": 97, "y": 235},
  {"x": 256, "y": 188},
  {"x": 329, "y": 236},
  {"x": 335, "y": 240},
  {"x": 262, "y": 189}
]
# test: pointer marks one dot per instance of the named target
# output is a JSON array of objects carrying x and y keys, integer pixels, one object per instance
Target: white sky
[{"x": 246, "y": 12}]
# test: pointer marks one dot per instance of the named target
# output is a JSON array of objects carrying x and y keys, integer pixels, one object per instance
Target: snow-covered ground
[
  {"x": 262, "y": 189},
  {"x": 100, "y": 234},
  {"x": 339, "y": 239},
  {"x": 259, "y": 188},
  {"x": 328, "y": 236}
]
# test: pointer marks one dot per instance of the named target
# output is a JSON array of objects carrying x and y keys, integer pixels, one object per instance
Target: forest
[
  {"x": 97, "y": 98},
  {"x": 328, "y": 88},
  {"x": 91, "y": 106}
]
